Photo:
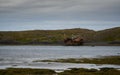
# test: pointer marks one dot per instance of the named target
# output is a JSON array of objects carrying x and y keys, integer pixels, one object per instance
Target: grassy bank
[
  {"x": 73, "y": 71},
  {"x": 102, "y": 60},
  {"x": 26, "y": 71},
  {"x": 82, "y": 71},
  {"x": 56, "y": 37}
]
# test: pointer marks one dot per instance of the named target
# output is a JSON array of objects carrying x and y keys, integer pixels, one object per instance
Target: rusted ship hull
[{"x": 74, "y": 42}]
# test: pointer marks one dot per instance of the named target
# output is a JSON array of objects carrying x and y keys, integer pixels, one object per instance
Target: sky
[{"x": 18, "y": 15}]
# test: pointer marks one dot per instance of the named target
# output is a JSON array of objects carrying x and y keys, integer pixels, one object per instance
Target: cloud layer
[{"x": 55, "y": 11}]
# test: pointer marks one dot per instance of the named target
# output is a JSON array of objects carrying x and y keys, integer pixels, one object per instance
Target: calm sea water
[{"x": 16, "y": 56}]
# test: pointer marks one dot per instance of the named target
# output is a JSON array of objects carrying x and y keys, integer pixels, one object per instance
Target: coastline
[
  {"x": 62, "y": 44},
  {"x": 56, "y": 37},
  {"x": 96, "y": 60},
  {"x": 105, "y": 70},
  {"x": 75, "y": 71}
]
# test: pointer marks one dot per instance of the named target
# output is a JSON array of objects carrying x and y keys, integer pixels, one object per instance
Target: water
[{"x": 22, "y": 56}]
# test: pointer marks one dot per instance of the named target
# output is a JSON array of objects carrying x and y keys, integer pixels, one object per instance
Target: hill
[
  {"x": 57, "y": 36},
  {"x": 112, "y": 34}
]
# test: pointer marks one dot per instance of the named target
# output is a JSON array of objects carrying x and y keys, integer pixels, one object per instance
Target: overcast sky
[{"x": 18, "y": 15}]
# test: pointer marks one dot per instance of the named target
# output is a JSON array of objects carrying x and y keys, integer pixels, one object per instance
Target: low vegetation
[
  {"x": 26, "y": 71},
  {"x": 102, "y": 60},
  {"x": 82, "y": 71},
  {"x": 73, "y": 71},
  {"x": 57, "y": 36}
]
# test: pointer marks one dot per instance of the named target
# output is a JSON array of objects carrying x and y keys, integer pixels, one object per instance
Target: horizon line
[{"x": 56, "y": 29}]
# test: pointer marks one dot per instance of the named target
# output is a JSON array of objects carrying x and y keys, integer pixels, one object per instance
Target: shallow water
[{"x": 22, "y": 56}]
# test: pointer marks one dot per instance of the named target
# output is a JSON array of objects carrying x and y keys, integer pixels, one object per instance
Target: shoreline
[
  {"x": 100, "y": 60},
  {"x": 62, "y": 68},
  {"x": 62, "y": 44},
  {"x": 76, "y": 71},
  {"x": 85, "y": 68}
]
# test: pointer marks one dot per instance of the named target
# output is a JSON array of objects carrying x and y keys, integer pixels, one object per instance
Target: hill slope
[
  {"x": 57, "y": 36},
  {"x": 112, "y": 34}
]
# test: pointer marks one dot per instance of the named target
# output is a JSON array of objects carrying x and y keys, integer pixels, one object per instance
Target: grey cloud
[{"x": 60, "y": 10}]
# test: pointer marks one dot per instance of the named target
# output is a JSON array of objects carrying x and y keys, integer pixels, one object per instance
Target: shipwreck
[{"x": 76, "y": 41}]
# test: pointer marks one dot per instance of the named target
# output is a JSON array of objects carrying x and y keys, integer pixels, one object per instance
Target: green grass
[
  {"x": 82, "y": 71},
  {"x": 73, "y": 71},
  {"x": 54, "y": 36},
  {"x": 26, "y": 71},
  {"x": 102, "y": 60}
]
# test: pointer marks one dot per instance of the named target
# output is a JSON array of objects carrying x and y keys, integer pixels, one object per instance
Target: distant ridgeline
[{"x": 57, "y": 37}]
